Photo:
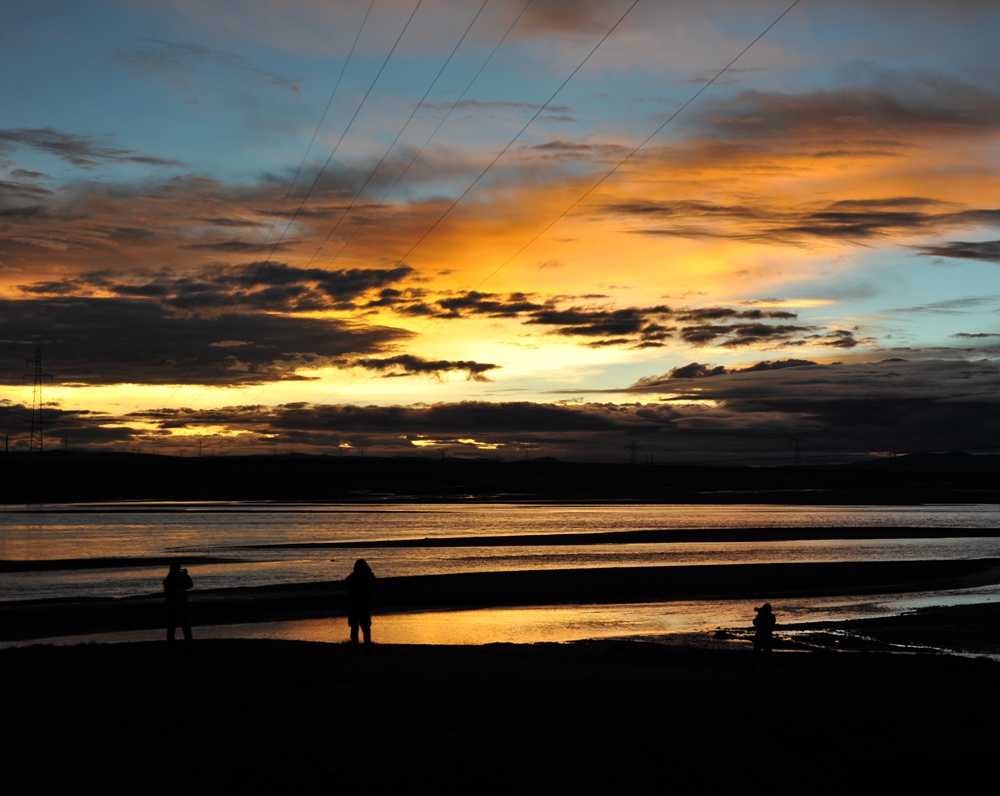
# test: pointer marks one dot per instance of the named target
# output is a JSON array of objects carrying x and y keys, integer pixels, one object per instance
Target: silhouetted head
[
  {"x": 361, "y": 566},
  {"x": 175, "y": 569},
  {"x": 765, "y": 608}
]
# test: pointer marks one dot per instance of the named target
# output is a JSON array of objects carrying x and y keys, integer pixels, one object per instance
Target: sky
[{"x": 697, "y": 231}]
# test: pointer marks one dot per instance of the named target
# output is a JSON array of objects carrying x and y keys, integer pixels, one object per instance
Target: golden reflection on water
[
  {"x": 564, "y": 623},
  {"x": 488, "y": 626},
  {"x": 532, "y": 625}
]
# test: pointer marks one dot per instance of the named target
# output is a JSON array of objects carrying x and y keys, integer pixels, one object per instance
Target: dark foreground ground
[{"x": 601, "y": 717}]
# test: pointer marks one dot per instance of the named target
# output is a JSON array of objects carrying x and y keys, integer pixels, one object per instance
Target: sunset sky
[{"x": 503, "y": 228}]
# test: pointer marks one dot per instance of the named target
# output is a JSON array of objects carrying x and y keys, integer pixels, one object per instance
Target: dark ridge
[{"x": 59, "y": 477}]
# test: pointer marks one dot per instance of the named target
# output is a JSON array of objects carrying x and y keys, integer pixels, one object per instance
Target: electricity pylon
[{"x": 37, "y": 440}]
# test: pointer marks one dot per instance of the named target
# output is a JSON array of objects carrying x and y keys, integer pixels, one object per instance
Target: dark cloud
[
  {"x": 564, "y": 150},
  {"x": 695, "y": 371},
  {"x": 242, "y": 246},
  {"x": 408, "y": 364},
  {"x": 727, "y": 313},
  {"x": 23, "y": 190},
  {"x": 578, "y": 321},
  {"x": 509, "y": 427},
  {"x": 955, "y": 306},
  {"x": 777, "y": 365},
  {"x": 183, "y": 64},
  {"x": 628, "y": 327},
  {"x": 20, "y": 212},
  {"x": 22, "y": 174},
  {"x": 988, "y": 251},
  {"x": 746, "y": 415},
  {"x": 491, "y": 305},
  {"x": 738, "y": 335},
  {"x": 77, "y": 428},
  {"x": 139, "y": 341},
  {"x": 232, "y": 222},
  {"x": 890, "y": 405},
  {"x": 78, "y": 150},
  {"x": 485, "y": 106},
  {"x": 879, "y": 100},
  {"x": 975, "y": 336},
  {"x": 837, "y": 338},
  {"x": 266, "y": 285},
  {"x": 848, "y": 220},
  {"x": 158, "y": 223}
]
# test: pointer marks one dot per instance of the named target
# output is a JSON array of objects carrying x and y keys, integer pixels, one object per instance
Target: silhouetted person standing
[
  {"x": 175, "y": 589},
  {"x": 359, "y": 600},
  {"x": 763, "y": 639}
]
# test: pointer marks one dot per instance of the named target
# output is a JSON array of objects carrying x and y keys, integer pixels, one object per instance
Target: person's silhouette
[
  {"x": 175, "y": 589},
  {"x": 359, "y": 600},
  {"x": 763, "y": 640}
]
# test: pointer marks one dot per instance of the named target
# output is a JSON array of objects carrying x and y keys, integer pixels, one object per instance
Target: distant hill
[
  {"x": 953, "y": 462},
  {"x": 60, "y": 477}
]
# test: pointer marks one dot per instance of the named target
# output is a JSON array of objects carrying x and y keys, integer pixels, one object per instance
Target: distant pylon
[
  {"x": 796, "y": 450},
  {"x": 633, "y": 448},
  {"x": 37, "y": 440}
]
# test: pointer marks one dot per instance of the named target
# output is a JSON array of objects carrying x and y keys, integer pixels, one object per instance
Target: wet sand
[
  {"x": 753, "y": 582},
  {"x": 599, "y": 717}
]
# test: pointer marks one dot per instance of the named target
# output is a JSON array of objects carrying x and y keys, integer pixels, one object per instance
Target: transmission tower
[
  {"x": 633, "y": 449},
  {"x": 37, "y": 439},
  {"x": 796, "y": 450}
]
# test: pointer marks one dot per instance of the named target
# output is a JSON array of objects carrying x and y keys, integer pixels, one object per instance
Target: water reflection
[
  {"x": 238, "y": 533},
  {"x": 565, "y": 623}
]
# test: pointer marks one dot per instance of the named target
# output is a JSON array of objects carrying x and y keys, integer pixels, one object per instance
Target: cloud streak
[
  {"x": 78, "y": 150},
  {"x": 183, "y": 63}
]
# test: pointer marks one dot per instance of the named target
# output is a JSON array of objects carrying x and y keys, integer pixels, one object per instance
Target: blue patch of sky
[{"x": 901, "y": 298}]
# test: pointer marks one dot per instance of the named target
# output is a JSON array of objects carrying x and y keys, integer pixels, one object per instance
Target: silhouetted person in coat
[
  {"x": 175, "y": 589},
  {"x": 763, "y": 640},
  {"x": 359, "y": 600}
]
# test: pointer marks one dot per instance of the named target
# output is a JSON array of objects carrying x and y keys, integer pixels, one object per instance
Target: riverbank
[{"x": 262, "y": 716}]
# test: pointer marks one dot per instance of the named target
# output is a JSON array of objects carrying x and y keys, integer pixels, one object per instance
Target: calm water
[{"x": 236, "y": 536}]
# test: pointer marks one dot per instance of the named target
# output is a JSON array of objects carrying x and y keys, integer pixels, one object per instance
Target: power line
[
  {"x": 419, "y": 104},
  {"x": 574, "y": 204},
  {"x": 374, "y": 171},
  {"x": 455, "y": 203},
  {"x": 247, "y": 279},
  {"x": 440, "y": 124},
  {"x": 319, "y": 174},
  {"x": 590, "y": 190},
  {"x": 298, "y": 171},
  {"x": 633, "y": 153}
]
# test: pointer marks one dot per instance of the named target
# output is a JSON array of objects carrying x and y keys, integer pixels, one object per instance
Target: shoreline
[{"x": 20, "y": 620}]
